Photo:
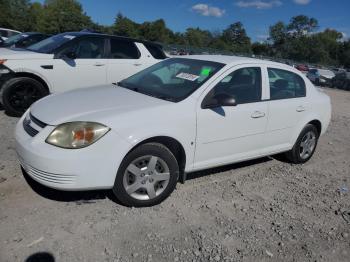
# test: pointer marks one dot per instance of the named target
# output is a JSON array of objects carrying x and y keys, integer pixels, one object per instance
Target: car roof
[
  {"x": 234, "y": 60},
  {"x": 33, "y": 33},
  {"x": 7, "y": 29},
  {"x": 86, "y": 33}
]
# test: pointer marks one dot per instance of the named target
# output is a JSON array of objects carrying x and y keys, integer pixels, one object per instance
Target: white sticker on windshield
[
  {"x": 25, "y": 35},
  {"x": 187, "y": 76},
  {"x": 69, "y": 37}
]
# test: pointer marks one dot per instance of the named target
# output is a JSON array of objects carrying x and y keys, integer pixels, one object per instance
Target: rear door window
[
  {"x": 123, "y": 49},
  {"x": 285, "y": 85}
]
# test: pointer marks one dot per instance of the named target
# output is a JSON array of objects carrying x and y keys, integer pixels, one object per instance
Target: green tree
[
  {"x": 278, "y": 33},
  {"x": 302, "y": 24},
  {"x": 236, "y": 38},
  {"x": 261, "y": 49},
  {"x": 155, "y": 31},
  {"x": 35, "y": 12},
  {"x": 14, "y": 14},
  {"x": 123, "y": 26},
  {"x": 63, "y": 16},
  {"x": 197, "y": 37}
]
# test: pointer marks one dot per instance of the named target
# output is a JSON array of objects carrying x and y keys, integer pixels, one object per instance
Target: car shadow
[
  {"x": 41, "y": 257},
  {"x": 213, "y": 171}
]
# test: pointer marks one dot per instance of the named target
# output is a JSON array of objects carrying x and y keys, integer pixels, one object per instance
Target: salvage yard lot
[{"x": 262, "y": 210}]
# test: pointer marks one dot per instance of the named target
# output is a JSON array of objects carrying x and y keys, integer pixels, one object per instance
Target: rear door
[
  {"x": 124, "y": 59},
  {"x": 88, "y": 69},
  {"x": 287, "y": 107}
]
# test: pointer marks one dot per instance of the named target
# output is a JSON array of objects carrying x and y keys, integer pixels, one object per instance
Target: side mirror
[
  {"x": 219, "y": 100},
  {"x": 70, "y": 55}
]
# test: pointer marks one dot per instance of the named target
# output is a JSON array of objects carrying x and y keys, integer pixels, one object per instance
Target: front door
[
  {"x": 87, "y": 69},
  {"x": 229, "y": 134}
]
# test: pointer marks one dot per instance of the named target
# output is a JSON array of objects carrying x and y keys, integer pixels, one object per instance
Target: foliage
[{"x": 296, "y": 40}]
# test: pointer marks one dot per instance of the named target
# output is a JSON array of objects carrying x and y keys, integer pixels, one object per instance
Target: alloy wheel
[
  {"x": 307, "y": 145},
  {"x": 146, "y": 177}
]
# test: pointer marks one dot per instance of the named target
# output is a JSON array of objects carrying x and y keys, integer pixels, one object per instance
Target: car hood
[
  {"x": 92, "y": 104},
  {"x": 22, "y": 54}
]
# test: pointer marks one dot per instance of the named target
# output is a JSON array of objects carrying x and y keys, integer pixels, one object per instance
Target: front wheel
[
  {"x": 146, "y": 176},
  {"x": 305, "y": 145},
  {"x": 19, "y": 93}
]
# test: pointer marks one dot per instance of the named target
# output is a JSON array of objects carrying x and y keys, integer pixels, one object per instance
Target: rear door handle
[
  {"x": 99, "y": 64},
  {"x": 300, "y": 109},
  {"x": 136, "y": 64},
  {"x": 258, "y": 114}
]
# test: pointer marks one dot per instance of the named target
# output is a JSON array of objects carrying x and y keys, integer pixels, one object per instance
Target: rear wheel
[
  {"x": 19, "y": 93},
  {"x": 305, "y": 145},
  {"x": 147, "y": 176}
]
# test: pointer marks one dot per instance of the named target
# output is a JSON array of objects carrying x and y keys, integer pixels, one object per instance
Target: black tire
[
  {"x": 17, "y": 94},
  {"x": 317, "y": 82},
  {"x": 149, "y": 149},
  {"x": 294, "y": 155}
]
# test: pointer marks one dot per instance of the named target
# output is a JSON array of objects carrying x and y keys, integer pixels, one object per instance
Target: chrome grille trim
[
  {"x": 46, "y": 176},
  {"x": 30, "y": 130},
  {"x": 37, "y": 121}
]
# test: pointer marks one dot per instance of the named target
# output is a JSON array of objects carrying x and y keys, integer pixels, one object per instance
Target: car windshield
[
  {"x": 172, "y": 79},
  {"x": 49, "y": 45}
]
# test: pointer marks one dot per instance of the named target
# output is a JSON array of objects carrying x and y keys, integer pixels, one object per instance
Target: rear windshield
[{"x": 49, "y": 45}]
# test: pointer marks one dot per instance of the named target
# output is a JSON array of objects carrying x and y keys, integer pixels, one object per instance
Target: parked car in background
[
  {"x": 68, "y": 61},
  {"x": 320, "y": 76},
  {"x": 23, "y": 40},
  {"x": 341, "y": 80},
  {"x": 180, "y": 115},
  {"x": 6, "y": 33},
  {"x": 303, "y": 68}
]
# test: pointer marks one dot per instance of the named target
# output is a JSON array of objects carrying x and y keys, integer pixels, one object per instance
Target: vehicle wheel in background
[
  {"x": 317, "y": 81},
  {"x": 19, "y": 93},
  {"x": 146, "y": 176},
  {"x": 305, "y": 145}
]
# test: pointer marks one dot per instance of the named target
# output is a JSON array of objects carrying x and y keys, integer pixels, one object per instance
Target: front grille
[
  {"x": 43, "y": 176},
  {"x": 29, "y": 128},
  {"x": 37, "y": 121}
]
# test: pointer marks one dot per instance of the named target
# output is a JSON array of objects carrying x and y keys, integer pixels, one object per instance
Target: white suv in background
[{"x": 68, "y": 61}]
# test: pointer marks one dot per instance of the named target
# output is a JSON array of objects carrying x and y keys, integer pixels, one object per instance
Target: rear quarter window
[{"x": 156, "y": 51}]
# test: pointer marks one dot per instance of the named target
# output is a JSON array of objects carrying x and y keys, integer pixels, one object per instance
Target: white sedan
[{"x": 141, "y": 136}]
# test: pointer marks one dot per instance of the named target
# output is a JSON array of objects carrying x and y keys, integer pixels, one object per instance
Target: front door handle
[
  {"x": 136, "y": 64},
  {"x": 258, "y": 114},
  {"x": 300, "y": 109},
  {"x": 99, "y": 64}
]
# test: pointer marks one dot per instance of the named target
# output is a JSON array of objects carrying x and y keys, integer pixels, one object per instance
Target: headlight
[{"x": 76, "y": 134}]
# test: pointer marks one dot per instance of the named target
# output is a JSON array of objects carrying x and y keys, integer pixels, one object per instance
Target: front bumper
[{"x": 93, "y": 167}]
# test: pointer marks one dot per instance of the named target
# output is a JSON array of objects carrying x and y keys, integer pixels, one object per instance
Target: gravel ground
[{"x": 263, "y": 210}]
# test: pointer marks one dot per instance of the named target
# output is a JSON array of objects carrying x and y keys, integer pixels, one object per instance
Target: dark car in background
[
  {"x": 23, "y": 40},
  {"x": 302, "y": 68},
  {"x": 341, "y": 80}
]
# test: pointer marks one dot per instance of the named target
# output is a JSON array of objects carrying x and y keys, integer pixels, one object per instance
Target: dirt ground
[{"x": 262, "y": 210}]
